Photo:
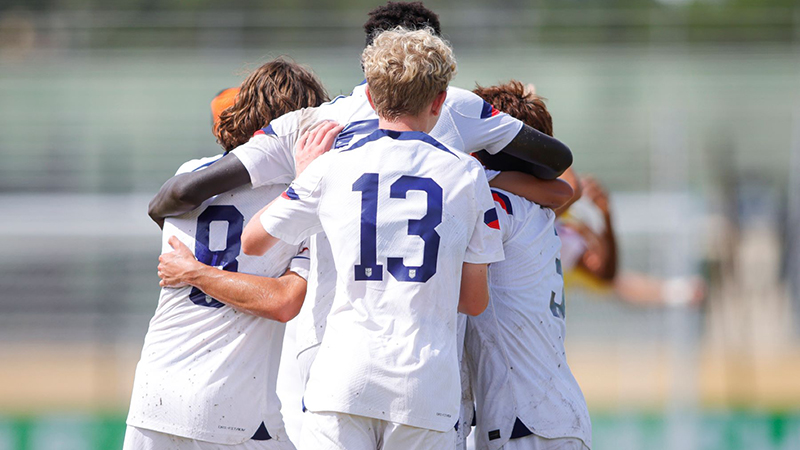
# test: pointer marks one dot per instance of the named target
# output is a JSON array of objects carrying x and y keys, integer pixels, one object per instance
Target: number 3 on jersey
[
  {"x": 369, "y": 269},
  {"x": 225, "y": 259}
]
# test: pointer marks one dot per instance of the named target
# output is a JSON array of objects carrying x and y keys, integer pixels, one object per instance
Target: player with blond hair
[
  {"x": 207, "y": 374},
  {"x": 387, "y": 375}
]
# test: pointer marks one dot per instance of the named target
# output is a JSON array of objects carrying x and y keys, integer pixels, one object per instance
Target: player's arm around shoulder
[
  {"x": 293, "y": 216},
  {"x": 186, "y": 191},
  {"x": 265, "y": 159},
  {"x": 548, "y": 193},
  {"x": 474, "y": 296},
  {"x": 549, "y": 156},
  {"x": 278, "y": 299}
]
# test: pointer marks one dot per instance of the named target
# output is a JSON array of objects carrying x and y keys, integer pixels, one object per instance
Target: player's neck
[{"x": 406, "y": 123}]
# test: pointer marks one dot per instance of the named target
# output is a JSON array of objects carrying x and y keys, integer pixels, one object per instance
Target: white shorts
[
  {"x": 534, "y": 442},
  {"x": 143, "y": 439},
  {"x": 339, "y": 431}
]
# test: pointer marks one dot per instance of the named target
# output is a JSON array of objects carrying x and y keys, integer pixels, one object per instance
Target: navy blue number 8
[
  {"x": 224, "y": 259},
  {"x": 369, "y": 269}
]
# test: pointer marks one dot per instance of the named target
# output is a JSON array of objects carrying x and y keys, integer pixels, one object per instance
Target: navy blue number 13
[
  {"x": 224, "y": 259},
  {"x": 369, "y": 269}
]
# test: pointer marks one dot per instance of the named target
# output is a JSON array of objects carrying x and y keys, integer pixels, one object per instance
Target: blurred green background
[{"x": 688, "y": 111}]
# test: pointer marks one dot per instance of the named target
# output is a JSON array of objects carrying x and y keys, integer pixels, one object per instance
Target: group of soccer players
[{"x": 426, "y": 301}]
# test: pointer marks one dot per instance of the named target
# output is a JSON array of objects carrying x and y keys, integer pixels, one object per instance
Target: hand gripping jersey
[
  {"x": 207, "y": 371},
  {"x": 467, "y": 124},
  {"x": 402, "y": 212},
  {"x": 515, "y": 349}
]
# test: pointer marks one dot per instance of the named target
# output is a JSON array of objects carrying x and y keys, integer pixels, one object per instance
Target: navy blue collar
[{"x": 400, "y": 136}]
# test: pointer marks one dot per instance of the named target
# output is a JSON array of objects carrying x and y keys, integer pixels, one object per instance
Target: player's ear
[
  {"x": 438, "y": 101},
  {"x": 369, "y": 97}
]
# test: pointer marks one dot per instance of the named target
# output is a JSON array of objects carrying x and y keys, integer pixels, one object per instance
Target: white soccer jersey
[
  {"x": 208, "y": 371},
  {"x": 515, "y": 349},
  {"x": 467, "y": 124},
  {"x": 401, "y": 212}
]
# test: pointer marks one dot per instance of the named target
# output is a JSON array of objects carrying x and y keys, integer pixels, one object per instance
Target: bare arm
[
  {"x": 255, "y": 239},
  {"x": 277, "y": 299},
  {"x": 549, "y": 156},
  {"x": 185, "y": 192},
  {"x": 600, "y": 259},
  {"x": 313, "y": 143},
  {"x": 474, "y": 296},
  {"x": 570, "y": 177},
  {"x": 548, "y": 193}
]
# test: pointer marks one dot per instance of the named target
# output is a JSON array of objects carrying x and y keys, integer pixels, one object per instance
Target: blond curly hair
[{"x": 406, "y": 69}]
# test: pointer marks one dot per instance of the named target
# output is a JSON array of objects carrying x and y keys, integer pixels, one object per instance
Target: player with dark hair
[
  {"x": 526, "y": 396},
  {"x": 208, "y": 370},
  {"x": 521, "y": 101},
  {"x": 410, "y": 15}
]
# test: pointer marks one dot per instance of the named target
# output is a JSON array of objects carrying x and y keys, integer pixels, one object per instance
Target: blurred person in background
[
  {"x": 222, "y": 101},
  {"x": 589, "y": 257},
  {"x": 208, "y": 370},
  {"x": 589, "y": 247},
  {"x": 526, "y": 396}
]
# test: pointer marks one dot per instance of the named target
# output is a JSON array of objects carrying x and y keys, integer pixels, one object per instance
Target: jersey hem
[
  {"x": 482, "y": 259},
  {"x": 250, "y": 166},
  {"x": 214, "y": 438},
  {"x": 411, "y": 420},
  {"x": 556, "y": 433}
]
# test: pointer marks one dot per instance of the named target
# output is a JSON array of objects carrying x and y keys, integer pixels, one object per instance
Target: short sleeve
[
  {"x": 486, "y": 243},
  {"x": 301, "y": 262},
  {"x": 294, "y": 215},
  {"x": 197, "y": 164},
  {"x": 491, "y": 174},
  {"x": 268, "y": 156},
  {"x": 480, "y": 125}
]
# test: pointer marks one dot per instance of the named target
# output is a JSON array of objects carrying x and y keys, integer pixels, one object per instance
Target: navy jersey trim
[
  {"x": 353, "y": 128},
  {"x": 520, "y": 430},
  {"x": 503, "y": 200},
  {"x": 261, "y": 433},
  {"x": 490, "y": 219},
  {"x": 208, "y": 163},
  {"x": 290, "y": 194},
  {"x": 488, "y": 110},
  {"x": 266, "y": 130},
  {"x": 400, "y": 136}
]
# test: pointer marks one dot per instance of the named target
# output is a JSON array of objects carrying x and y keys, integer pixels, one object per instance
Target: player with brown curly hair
[
  {"x": 525, "y": 393},
  {"x": 272, "y": 90},
  {"x": 208, "y": 370}
]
